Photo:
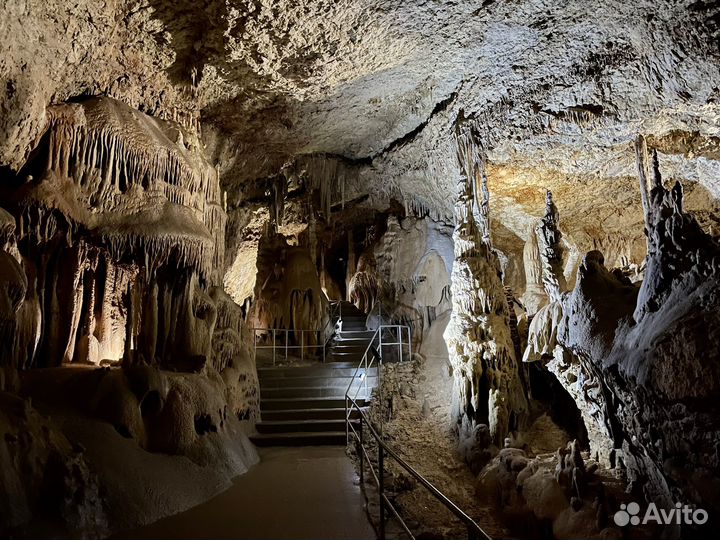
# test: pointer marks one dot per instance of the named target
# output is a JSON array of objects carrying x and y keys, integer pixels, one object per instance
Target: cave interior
[{"x": 253, "y": 251}]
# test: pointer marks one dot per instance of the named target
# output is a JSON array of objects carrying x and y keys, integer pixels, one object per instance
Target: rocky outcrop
[
  {"x": 641, "y": 363},
  {"x": 45, "y": 477}
]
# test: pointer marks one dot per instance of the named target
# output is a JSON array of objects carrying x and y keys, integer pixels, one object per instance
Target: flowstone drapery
[
  {"x": 111, "y": 260},
  {"x": 120, "y": 232},
  {"x": 489, "y": 398}
]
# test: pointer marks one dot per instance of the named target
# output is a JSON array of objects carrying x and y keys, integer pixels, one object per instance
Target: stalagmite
[
  {"x": 548, "y": 236},
  {"x": 534, "y": 296},
  {"x": 489, "y": 399}
]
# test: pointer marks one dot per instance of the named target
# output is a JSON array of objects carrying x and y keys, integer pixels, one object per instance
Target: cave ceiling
[{"x": 556, "y": 90}]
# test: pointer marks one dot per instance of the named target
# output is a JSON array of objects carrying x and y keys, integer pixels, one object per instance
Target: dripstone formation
[{"x": 191, "y": 193}]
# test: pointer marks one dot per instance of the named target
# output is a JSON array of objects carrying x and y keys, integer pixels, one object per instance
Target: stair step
[
  {"x": 299, "y": 438},
  {"x": 313, "y": 382},
  {"x": 342, "y": 358},
  {"x": 297, "y": 426},
  {"x": 329, "y": 413},
  {"x": 276, "y": 404},
  {"x": 337, "y": 392},
  {"x": 337, "y": 369},
  {"x": 347, "y": 349}
]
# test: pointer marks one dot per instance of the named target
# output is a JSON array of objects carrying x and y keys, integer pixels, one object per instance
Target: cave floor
[{"x": 303, "y": 493}]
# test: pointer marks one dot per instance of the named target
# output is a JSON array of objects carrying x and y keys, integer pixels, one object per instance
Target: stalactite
[
  {"x": 144, "y": 201},
  {"x": 113, "y": 152}
]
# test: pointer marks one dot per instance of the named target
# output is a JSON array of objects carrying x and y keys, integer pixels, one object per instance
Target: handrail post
[
  {"x": 365, "y": 378},
  {"x": 361, "y": 450},
  {"x": 380, "y": 327},
  {"x": 286, "y": 344},
  {"x": 273, "y": 331},
  {"x": 302, "y": 344},
  {"x": 347, "y": 422},
  {"x": 409, "y": 344},
  {"x": 381, "y": 489},
  {"x": 400, "y": 343}
]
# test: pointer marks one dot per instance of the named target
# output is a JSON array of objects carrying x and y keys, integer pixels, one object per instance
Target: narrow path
[{"x": 293, "y": 493}]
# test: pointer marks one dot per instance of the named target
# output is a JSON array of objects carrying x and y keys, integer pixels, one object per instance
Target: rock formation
[
  {"x": 560, "y": 494},
  {"x": 115, "y": 258},
  {"x": 632, "y": 357},
  {"x": 489, "y": 398},
  {"x": 180, "y": 181}
]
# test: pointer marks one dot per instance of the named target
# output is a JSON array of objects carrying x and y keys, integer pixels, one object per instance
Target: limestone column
[{"x": 489, "y": 399}]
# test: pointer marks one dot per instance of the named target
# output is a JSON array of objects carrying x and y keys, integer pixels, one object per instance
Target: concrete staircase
[
  {"x": 305, "y": 405},
  {"x": 349, "y": 344}
]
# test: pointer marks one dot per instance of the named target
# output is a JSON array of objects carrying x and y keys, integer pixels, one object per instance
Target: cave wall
[
  {"x": 120, "y": 228},
  {"x": 407, "y": 269},
  {"x": 288, "y": 294},
  {"x": 112, "y": 269}
]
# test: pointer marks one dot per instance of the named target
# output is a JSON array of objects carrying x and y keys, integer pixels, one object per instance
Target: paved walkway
[{"x": 293, "y": 493}]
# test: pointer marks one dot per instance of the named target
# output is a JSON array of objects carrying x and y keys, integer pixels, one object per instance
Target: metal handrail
[
  {"x": 474, "y": 532},
  {"x": 378, "y": 335},
  {"x": 368, "y": 359},
  {"x": 335, "y": 307},
  {"x": 323, "y": 336},
  {"x": 275, "y": 332},
  {"x": 377, "y": 305}
]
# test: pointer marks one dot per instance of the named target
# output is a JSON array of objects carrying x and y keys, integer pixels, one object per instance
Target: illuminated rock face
[
  {"x": 489, "y": 396},
  {"x": 115, "y": 208},
  {"x": 287, "y": 293},
  {"x": 114, "y": 256},
  {"x": 640, "y": 361}
]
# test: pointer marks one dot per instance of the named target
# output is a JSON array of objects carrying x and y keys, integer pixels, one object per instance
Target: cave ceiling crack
[{"x": 401, "y": 141}]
